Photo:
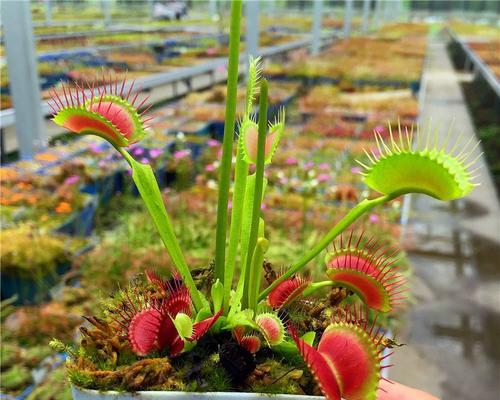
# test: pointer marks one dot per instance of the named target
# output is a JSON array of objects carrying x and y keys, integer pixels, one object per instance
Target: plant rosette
[{"x": 225, "y": 332}]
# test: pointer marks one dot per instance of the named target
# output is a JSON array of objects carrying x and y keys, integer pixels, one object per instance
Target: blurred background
[{"x": 73, "y": 227}]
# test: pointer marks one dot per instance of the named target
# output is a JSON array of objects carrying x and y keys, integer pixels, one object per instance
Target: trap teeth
[{"x": 429, "y": 169}]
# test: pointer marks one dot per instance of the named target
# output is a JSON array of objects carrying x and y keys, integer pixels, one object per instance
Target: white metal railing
[
  {"x": 7, "y": 116},
  {"x": 477, "y": 62}
]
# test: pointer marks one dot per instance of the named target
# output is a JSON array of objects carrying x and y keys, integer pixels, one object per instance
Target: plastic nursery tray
[
  {"x": 105, "y": 187},
  {"x": 39, "y": 374},
  {"x": 81, "y": 223},
  {"x": 414, "y": 85},
  {"x": 35, "y": 290}
]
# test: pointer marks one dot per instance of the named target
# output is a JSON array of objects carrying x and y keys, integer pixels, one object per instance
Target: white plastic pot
[{"x": 85, "y": 394}]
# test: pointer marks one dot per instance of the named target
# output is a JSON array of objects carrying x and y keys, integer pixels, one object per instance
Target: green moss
[
  {"x": 55, "y": 387},
  {"x": 29, "y": 254},
  {"x": 277, "y": 377},
  {"x": 215, "y": 376},
  {"x": 81, "y": 378},
  {"x": 16, "y": 378},
  {"x": 9, "y": 353}
]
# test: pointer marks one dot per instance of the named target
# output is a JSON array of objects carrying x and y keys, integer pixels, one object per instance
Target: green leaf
[
  {"x": 245, "y": 235},
  {"x": 362, "y": 208},
  {"x": 241, "y": 318},
  {"x": 145, "y": 180},
  {"x": 309, "y": 337},
  {"x": 259, "y": 184},
  {"x": 254, "y": 74},
  {"x": 247, "y": 215},
  {"x": 204, "y": 313},
  {"x": 227, "y": 143},
  {"x": 256, "y": 272},
  {"x": 217, "y": 293},
  {"x": 184, "y": 325},
  {"x": 261, "y": 227},
  {"x": 239, "y": 190},
  {"x": 288, "y": 350}
]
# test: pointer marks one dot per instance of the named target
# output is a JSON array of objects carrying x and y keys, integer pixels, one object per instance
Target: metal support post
[
  {"x": 387, "y": 10},
  {"x": 316, "y": 27},
  {"x": 366, "y": 16},
  {"x": 23, "y": 76},
  {"x": 212, "y": 5},
  {"x": 106, "y": 9},
  {"x": 48, "y": 12},
  {"x": 151, "y": 5},
  {"x": 378, "y": 13},
  {"x": 347, "y": 18},
  {"x": 253, "y": 31}
]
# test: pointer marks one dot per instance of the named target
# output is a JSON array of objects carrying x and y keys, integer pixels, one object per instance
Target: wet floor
[
  {"x": 452, "y": 328},
  {"x": 454, "y": 324}
]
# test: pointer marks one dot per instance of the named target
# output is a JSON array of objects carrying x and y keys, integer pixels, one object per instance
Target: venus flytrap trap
[{"x": 151, "y": 332}]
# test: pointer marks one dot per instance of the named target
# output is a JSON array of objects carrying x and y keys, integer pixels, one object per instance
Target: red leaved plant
[
  {"x": 287, "y": 291},
  {"x": 249, "y": 342},
  {"x": 104, "y": 111},
  {"x": 368, "y": 270},
  {"x": 347, "y": 362},
  {"x": 148, "y": 321}
]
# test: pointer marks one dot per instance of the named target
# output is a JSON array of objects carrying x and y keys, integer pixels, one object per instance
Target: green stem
[
  {"x": 303, "y": 227},
  {"x": 256, "y": 272},
  {"x": 259, "y": 179},
  {"x": 239, "y": 189},
  {"x": 246, "y": 225},
  {"x": 316, "y": 286},
  {"x": 227, "y": 144},
  {"x": 146, "y": 183},
  {"x": 351, "y": 216},
  {"x": 240, "y": 182}
]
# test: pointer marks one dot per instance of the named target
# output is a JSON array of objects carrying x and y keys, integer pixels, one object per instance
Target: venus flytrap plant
[
  {"x": 257, "y": 191},
  {"x": 364, "y": 268},
  {"x": 400, "y": 169},
  {"x": 107, "y": 112},
  {"x": 167, "y": 318},
  {"x": 240, "y": 180}
]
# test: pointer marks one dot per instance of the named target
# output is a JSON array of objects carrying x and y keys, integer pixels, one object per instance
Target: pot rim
[{"x": 226, "y": 395}]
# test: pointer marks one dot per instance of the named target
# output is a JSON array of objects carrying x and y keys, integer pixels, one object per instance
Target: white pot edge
[{"x": 87, "y": 394}]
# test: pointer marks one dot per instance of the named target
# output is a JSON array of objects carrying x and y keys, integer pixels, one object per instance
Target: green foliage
[
  {"x": 81, "y": 378},
  {"x": 25, "y": 252},
  {"x": 105, "y": 359},
  {"x": 256, "y": 272},
  {"x": 184, "y": 325},
  {"x": 145, "y": 180},
  {"x": 217, "y": 293},
  {"x": 9, "y": 354},
  {"x": 216, "y": 378},
  {"x": 60, "y": 347},
  {"x": 15, "y": 378},
  {"x": 253, "y": 79},
  {"x": 279, "y": 378},
  {"x": 227, "y": 144},
  {"x": 427, "y": 169},
  {"x": 55, "y": 387},
  {"x": 7, "y": 307}
]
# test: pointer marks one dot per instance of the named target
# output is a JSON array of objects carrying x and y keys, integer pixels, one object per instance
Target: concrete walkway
[{"x": 452, "y": 350}]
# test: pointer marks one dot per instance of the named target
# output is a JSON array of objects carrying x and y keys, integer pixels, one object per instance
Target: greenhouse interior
[{"x": 250, "y": 199}]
